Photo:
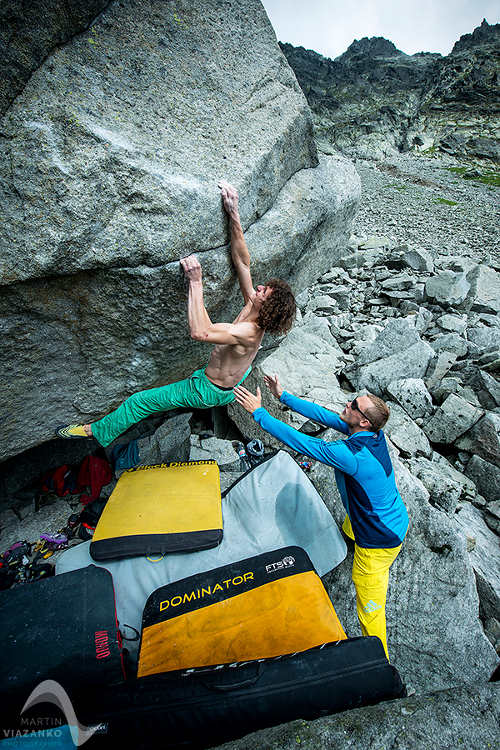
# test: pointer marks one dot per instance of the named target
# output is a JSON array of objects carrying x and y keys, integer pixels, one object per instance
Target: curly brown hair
[{"x": 278, "y": 311}]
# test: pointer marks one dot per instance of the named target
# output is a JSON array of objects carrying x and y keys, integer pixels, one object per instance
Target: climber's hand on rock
[
  {"x": 192, "y": 268},
  {"x": 229, "y": 198}
]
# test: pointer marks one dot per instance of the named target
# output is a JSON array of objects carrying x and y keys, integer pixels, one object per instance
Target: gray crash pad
[{"x": 275, "y": 505}]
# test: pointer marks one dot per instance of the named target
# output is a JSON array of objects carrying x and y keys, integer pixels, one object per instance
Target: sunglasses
[{"x": 355, "y": 407}]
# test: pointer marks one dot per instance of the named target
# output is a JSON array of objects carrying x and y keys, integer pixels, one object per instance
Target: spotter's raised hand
[
  {"x": 246, "y": 399},
  {"x": 273, "y": 385}
]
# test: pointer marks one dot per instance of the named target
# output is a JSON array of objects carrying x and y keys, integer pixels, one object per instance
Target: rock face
[
  {"x": 29, "y": 32},
  {"x": 374, "y": 99},
  {"x": 120, "y": 140},
  {"x": 462, "y": 716},
  {"x": 110, "y": 161}
]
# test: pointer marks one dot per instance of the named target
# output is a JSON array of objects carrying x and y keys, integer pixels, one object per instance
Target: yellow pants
[{"x": 370, "y": 575}]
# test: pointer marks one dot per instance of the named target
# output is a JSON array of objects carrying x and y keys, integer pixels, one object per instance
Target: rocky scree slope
[
  {"x": 374, "y": 100},
  {"x": 425, "y": 201},
  {"x": 110, "y": 156}
]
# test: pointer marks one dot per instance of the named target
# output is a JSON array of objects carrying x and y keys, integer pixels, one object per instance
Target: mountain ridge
[{"x": 374, "y": 99}]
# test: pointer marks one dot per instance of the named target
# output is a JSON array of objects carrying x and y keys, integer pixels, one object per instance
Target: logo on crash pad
[{"x": 287, "y": 562}]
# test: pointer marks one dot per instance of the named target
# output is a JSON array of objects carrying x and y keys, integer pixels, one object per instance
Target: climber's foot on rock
[{"x": 69, "y": 431}]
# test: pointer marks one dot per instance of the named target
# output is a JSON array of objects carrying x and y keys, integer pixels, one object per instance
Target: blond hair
[{"x": 378, "y": 413}]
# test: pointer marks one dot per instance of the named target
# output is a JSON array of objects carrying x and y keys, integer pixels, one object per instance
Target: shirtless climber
[{"x": 271, "y": 307}]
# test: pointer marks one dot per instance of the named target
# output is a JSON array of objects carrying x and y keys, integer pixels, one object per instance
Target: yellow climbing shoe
[{"x": 69, "y": 431}]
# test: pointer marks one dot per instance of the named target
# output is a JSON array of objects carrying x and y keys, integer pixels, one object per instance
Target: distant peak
[
  {"x": 484, "y": 34},
  {"x": 375, "y": 46}
]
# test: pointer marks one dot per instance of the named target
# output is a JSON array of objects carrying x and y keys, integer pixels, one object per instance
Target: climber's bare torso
[
  {"x": 229, "y": 362},
  {"x": 236, "y": 343}
]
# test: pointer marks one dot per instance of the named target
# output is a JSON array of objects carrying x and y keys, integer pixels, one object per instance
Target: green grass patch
[
  {"x": 490, "y": 178},
  {"x": 457, "y": 170},
  {"x": 486, "y": 178},
  {"x": 446, "y": 202},
  {"x": 395, "y": 186}
]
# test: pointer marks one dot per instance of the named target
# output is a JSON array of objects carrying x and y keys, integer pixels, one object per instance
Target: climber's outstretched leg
[{"x": 197, "y": 392}]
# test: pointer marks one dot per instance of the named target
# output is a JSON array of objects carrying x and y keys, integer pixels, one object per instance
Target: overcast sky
[{"x": 329, "y": 26}]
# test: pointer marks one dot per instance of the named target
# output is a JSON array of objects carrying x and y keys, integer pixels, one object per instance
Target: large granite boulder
[
  {"x": 116, "y": 144},
  {"x": 110, "y": 161},
  {"x": 397, "y": 353},
  {"x": 29, "y": 31},
  {"x": 465, "y": 716}
]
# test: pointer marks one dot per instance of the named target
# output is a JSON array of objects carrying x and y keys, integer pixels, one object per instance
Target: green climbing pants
[{"x": 196, "y": 391}]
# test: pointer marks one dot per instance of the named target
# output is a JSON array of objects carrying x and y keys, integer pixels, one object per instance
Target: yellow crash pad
[{"x": 157, "y": 509}]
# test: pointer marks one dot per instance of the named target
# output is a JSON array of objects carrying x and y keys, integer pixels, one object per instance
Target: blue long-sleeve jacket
[{"x": 363, "y": 472}]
